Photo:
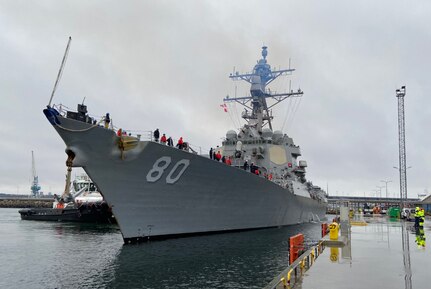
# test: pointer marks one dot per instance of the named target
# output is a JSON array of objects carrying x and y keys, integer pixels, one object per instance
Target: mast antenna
[
  {"x": 261, "y": 76},
  {"x": 60, "y": 72}
]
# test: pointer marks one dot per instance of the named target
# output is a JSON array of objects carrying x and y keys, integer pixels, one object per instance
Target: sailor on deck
[
  {"x": 180, "y": 143},
  {"x": 156, "y": 135},
  {"x": 163, "y": 139},
  {"x": 170, "y": 142},
  {"x": 107, "y": 120},
  {"x": 245, "y": 166}
]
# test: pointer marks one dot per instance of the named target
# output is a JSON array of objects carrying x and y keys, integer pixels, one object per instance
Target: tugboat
[
  {"x": 83, "y": 204},
  {"x": 158, "y": 191}
]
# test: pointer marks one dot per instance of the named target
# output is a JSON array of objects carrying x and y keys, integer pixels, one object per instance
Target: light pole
[
  {"x": 400, "y": 93},
  {"x": 375, "y": 192},
  {"x": 380, "y": 190},
  {"x": 386, "y": 183}
]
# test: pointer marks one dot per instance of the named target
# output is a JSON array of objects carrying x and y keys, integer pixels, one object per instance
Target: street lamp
[
  {"x": 386, "y": 183},
  {"x": 380, "y": 190},
  {"x": 375, "y": 192}
]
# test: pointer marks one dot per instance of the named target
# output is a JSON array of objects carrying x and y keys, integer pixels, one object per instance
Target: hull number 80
[{"x": 162, "y": 164}]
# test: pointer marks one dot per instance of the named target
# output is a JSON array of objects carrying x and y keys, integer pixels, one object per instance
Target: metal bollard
[
  {"x": 333, "y": 231},
  {"x": 289, "y": 276}
]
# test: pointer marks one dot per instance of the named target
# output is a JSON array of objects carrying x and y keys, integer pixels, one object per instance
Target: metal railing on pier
[{"x": 296, "y": 270}]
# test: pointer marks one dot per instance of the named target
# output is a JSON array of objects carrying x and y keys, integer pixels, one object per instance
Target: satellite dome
[
  {"x": 278, "y": 134},
  {"x": 231, "y": 135},
  {"x": 266, "y": 133}
]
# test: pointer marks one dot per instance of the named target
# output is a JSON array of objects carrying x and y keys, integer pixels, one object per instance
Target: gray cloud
[{"x": 165, "y": 64}]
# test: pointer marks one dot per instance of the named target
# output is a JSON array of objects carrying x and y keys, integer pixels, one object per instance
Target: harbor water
[{"x": 38, "y": 254}]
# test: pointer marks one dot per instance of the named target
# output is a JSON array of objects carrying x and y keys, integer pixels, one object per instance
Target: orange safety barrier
[
  {"x": 324, "y": 229},
  {"x": 296, "y": 247}
]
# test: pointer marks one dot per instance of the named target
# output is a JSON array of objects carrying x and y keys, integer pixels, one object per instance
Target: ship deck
[{"x": 375, "y": 259}]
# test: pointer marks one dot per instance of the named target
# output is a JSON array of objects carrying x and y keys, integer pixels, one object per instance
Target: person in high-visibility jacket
[
  {"x": 421, "y": 217},
  {"x": 420, "y": 238},
  {"x": 417, "y": 213}
]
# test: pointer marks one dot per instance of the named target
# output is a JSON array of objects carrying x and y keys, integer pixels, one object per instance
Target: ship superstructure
[
  {"x": 272, "y": 153},
  {"x": 160, "y": 191}
]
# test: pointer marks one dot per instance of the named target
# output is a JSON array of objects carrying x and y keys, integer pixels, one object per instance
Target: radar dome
[
  {"x": 231, "y": 135},
  {"x": 266, "y": 133},
  {"x": 278, "y": 134}
]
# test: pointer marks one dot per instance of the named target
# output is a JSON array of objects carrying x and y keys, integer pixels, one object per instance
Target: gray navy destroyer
[{"x": 159, "y": 191}]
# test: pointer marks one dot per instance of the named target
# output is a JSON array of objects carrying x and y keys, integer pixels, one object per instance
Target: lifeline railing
[{"x": 297, "y": 268}]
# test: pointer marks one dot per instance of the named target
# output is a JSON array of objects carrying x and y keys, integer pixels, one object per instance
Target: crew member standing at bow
[
  {"x": 156, "y": 135},
  {"x": 163, "y": 139},
  {"x": 107, "y": 120},
  {"x": 180, "y": 143},
  {"x": 170, "y": 142}
]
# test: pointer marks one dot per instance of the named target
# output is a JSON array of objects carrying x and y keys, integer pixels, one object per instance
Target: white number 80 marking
[{"x": 161, "y": 165}]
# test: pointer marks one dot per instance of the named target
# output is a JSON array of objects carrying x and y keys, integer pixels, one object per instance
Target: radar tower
[{"x": 259, "y": 79}]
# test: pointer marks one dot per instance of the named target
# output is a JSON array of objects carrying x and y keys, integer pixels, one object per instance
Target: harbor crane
[{"x": 35, "y": 188}]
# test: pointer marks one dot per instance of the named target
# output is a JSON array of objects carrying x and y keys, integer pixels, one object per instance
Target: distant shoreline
[{"x": 25, "y": 203}]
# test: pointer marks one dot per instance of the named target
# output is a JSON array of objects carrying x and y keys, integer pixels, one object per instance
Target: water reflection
[
  {"x": 420, "y": 237},
  {"x": 406, "y": 256},
  {"x": 233, "y": 260}
]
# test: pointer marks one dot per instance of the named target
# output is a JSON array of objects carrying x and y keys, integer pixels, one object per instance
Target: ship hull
[{"x": 158, "y": 191}]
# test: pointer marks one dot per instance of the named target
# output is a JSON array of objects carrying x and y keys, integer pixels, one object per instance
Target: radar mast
[{"x": 262, "y": 75}]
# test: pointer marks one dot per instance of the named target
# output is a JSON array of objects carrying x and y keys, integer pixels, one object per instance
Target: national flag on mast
[{"x": 224, "y": 106}]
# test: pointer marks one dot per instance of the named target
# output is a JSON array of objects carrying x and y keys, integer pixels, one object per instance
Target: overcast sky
[{"x": 165, "y": 64}]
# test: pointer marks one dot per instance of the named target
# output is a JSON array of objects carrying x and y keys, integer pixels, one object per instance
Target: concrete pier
[
  {"x": 25, "y": 203},
  {"x": 375, "y": 257}
]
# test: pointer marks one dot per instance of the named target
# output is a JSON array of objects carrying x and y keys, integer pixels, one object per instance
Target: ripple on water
[{"x": 50, "y": 255}]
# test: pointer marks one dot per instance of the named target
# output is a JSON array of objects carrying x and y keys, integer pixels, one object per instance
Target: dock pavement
[{"x": 385, "y": 253}]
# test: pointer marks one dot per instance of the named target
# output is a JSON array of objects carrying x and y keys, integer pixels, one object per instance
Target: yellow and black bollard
[{"x": 333, "y": 231}]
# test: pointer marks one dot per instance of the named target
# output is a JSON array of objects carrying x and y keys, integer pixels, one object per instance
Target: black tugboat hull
[{"x": 86, "y": 215}]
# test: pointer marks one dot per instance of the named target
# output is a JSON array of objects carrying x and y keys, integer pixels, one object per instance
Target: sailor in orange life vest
[
  {"x": 228, "y": 161},
  {"x": 163, "y": 139},
  {"x": 180, "y": 143},
  {"x": 218, "y": 156}
]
